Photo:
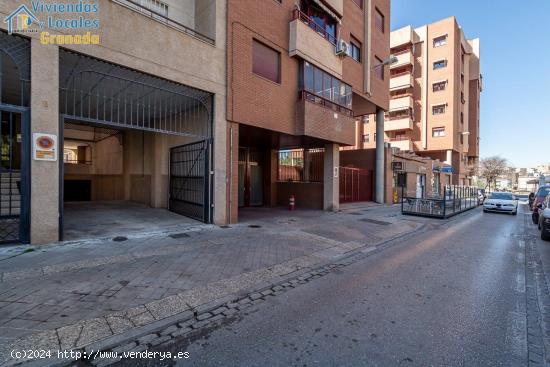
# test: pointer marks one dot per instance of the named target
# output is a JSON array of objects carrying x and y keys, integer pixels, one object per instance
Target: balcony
[
  {"x": 320, "y": 118},
  {"x": 398, "y": 123},
  {"x": 401, "y": 82},
  {"x": 401, "y": 103},
  {"x": 404, "y": 58},
  {"x": 403, "y": 144},
  {"x": 313, "y": 44},
  {"x": 402, "y": 36}
]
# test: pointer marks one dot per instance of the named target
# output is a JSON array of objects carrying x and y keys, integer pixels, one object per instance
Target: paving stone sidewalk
[{"x": 68, "y": 295}]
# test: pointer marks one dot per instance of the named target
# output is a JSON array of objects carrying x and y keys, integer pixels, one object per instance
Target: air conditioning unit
[{"x": 342, "y": 48}]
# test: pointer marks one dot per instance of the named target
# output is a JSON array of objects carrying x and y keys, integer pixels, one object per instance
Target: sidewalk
[{"x": 68, "y": 295}]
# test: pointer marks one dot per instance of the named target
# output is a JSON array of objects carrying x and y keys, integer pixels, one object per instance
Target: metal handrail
[
  {"x": 297, "y": 14},
  {"x": 303, "y": 94}
]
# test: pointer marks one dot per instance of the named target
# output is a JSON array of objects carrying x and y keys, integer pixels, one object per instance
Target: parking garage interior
[{"x": 135, "y": 151}]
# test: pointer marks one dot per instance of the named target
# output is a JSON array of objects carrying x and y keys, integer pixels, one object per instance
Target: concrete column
[
  {"x": 220, "y": 181},
  {"x": 449, "y": 158},
  {"x": 159, "y": 171},
  {"x": 44, "y": 211},
  {"x": 331, "y": 180},
  {"x": 379, "y": 184},
  {"x": 233, "y": 172}
]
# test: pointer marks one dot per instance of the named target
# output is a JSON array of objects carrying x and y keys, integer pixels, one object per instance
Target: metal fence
[
  {"x": 454, "y": 200},
  {"x": 301, "y": 165}
]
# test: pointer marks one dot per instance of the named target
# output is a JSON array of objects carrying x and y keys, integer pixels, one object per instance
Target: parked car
[
  {"x": 544, "y": 219},
  {"x": 480, "y": 196},
  {"x": 503, "y": 202},
  {"x": 541, "y": 194}
]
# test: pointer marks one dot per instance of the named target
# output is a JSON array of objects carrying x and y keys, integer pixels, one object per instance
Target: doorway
[
  {"x": 250, "y": 177},
  {"x": 420, "y": 185}
]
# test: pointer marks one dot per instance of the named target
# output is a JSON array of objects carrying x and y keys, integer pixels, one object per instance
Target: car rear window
[
  {"x": 501, "y": 196},
  {"x": 543, "y": 192}
]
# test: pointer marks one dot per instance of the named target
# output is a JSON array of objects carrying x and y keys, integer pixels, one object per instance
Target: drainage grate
[
  {"x": 254, "y": 226},
  {"x": 225, "y": 226},
  {"x": 374, "y": 221},
  {"x": 120, "y": 238},
  {"x": 354, "y": 213},
  {"x": 178, "y": 235}
]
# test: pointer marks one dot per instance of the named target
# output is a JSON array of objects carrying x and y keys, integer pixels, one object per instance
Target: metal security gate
[
  {"x": 14, "y": 188},
  {"x": 14, "y": 138},
  {"x": 355, "y": 185},
  {"x": 190, "y": 190}
]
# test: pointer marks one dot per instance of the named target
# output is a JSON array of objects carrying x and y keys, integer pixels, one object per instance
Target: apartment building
[
  {"x": 111, "y": 101},
  {"x": 300, "y": 75},
  {"x": 435, "y": 88}
]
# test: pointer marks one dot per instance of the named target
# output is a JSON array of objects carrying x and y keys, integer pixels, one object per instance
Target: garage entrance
[{"x": 132, "y": 141}]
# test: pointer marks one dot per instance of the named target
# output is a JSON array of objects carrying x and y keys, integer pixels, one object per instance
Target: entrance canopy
[{"x": 99, "y": 92}]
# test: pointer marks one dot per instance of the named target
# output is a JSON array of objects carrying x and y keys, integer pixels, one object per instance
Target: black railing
[
  {"x": 304, "y": 18},
  {"x": 455, "y": 200},
  {"x": 321, "y": 101}
]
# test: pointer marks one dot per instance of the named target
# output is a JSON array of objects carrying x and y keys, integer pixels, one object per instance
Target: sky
[{"x": 515, "y": 63}]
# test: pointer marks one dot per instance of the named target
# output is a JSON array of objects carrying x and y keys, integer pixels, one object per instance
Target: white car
[{"x": 501, "y": 202}]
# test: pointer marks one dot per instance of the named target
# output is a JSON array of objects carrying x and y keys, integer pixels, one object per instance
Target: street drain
[
  {"x": 225, "y": 226},
  {"x": 254, "y": 226},
  {"x": 178, "y": 235},
  {"x": 120, "y": 238},
  {"x": 374, "y": 221},
  {"x": 354, "y": 213}
]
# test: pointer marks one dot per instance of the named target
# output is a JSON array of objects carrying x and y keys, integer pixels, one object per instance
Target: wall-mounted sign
[
  {"x": 335, "y": 172},
  {"x": 436, "y": 170},
  {"x": 447, "y": 169},
  {"x": 397, "y": 166},
  {"x": 44, "y": 147}
]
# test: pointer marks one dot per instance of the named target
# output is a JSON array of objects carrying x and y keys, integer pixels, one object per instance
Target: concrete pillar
[
  {"x": 158, "y": 171},
  {"x": 331, "y": 180},
  {"x": 220, "y": 180},
  {"x": 379, "y": 184},
  {"x": 44, "y": 213},
  {"x": 233, "y": 172},
  {"x": 449, "y": 158}
]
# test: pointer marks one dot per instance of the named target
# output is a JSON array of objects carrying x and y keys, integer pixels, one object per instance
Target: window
[
  {"x": 322, "y": 84},
  {"x": 379, "y": 20},
  {"x": 266, "y": 62},
  {"x": 439, "y": 86},
  {"x": 440, "y": 64},
  {"x": 355, "y": 49},
  {"x": 438, "y": 110},
  {"x": 156, "y": 6},
  {"x": 440, "y": 41},
  {"x": 462, "y": 117},
  {"x": 379, "y": 68},
  {"x": 438, "y": 131},
  {"x": 322, "y": 22},
  {"x": 359, "y": 3},
  {"x": 462, "y": 98},
  {"x": 462, "y": 140},
  {"x": 366, "y": 138}
]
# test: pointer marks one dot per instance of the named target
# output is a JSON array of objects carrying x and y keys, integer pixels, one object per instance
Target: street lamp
[{"x": 390, "y": 60}]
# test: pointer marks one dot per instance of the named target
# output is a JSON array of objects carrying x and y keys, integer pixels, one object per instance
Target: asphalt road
[{"x": 454, "y": 295}]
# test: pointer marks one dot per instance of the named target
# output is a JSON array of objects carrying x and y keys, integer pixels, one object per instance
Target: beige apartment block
[
  {"x": 139, "y": 117},
  {"x": 435, "y": 88}
]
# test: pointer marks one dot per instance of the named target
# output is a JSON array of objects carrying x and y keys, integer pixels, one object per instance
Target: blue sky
[{"x": 515, "y": 62}]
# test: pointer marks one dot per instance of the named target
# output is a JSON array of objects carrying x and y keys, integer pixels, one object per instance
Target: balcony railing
[
  {"x": 136, "y": 6},
  {"x": 304, "y": 18},
  {"x": 314, "y": 98}
]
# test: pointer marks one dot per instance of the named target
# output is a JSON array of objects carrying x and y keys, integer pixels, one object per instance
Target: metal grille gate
[
  {"x": 14, "y": 192},
  {"x": 190, "y": 186}
]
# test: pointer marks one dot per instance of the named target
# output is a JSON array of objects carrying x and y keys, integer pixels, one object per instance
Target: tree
[{"x": 491, "y": 168}]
